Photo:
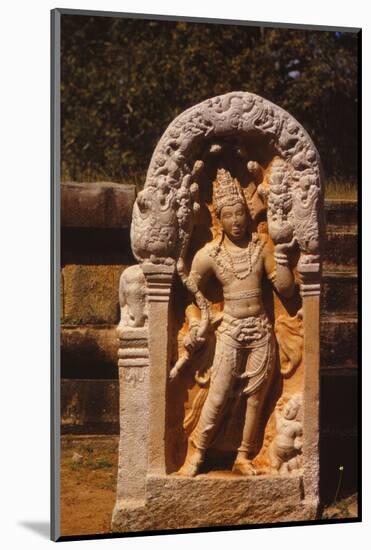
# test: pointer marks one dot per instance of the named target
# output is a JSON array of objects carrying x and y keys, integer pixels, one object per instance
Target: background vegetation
[{"x": 124, "y": 80}]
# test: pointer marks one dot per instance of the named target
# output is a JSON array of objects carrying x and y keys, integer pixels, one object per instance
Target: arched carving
[{"x": 164, "y": 211}]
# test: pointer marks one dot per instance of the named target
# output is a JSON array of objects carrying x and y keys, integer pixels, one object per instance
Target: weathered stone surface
[
  {"x": 89, "y": 352},
  {"x": 338, "y": 386},
  {"x": 98, "y": 204},
  {"x": 339, "y": 292},
  {"x": 341, "y": 247},
  {"x": 341, "y": 213},
  {"x": 89, "y": 406},
  {"x": 94, "y": 349},
  {"x": 339, "y": 337},
  {"x": 91, "y": 246},
  {"x": 199, "y": 214},
  {"x": 90, "y": 294},
  {"x": 174, "y": 502},
  {"x": 339, "y": 403}
]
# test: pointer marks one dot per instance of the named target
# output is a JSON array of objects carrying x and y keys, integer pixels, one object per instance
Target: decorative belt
[
  {"x": 248, "y": 332},
  {"x": 241, "y": 294}
]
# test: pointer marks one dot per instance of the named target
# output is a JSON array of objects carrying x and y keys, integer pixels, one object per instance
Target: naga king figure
[{"x": 245, "y": 351}]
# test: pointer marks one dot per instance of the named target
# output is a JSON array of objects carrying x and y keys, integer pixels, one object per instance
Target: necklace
[{"x": 248, "y": 256}]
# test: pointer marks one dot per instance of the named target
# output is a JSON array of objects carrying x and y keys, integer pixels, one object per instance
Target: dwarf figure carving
[{"x": 285, "y": 449}]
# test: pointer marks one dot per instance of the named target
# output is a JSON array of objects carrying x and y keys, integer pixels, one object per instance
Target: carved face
[
  {"x": 234, "y": 220},
  {"x": 290, "y": 410}
]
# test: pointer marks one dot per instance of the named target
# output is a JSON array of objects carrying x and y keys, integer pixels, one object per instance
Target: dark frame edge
[
  {"x": 212, "y": 20},
  {"x": 56, "y": 14},
  {"x": 54, "y": 276}
]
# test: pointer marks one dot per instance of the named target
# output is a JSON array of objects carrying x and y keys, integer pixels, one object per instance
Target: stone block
[
  {"x": 89, "y": 406},
  {"x": 96, "y": 204},
  {"x": 89, "y": 352},
  {"x": 341, "y": 213},
  {"x": 90, "y": 294},
  {"x": 339, "y": 337},
  {"x": 341, "y": 247},
  {"x": 339, "y": 400},
  {"x": 339, "y": 292},
  {"x": 215, "y": 499},
  {"x": 91, "y": 246}
]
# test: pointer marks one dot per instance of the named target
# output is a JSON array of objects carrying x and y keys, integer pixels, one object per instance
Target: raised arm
[{"x": 277, "y": 268}]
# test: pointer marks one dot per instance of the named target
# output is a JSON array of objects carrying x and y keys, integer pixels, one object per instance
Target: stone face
[
  {"x": 227, "y": 233},
  {"x": 173, "y": 502},
  {"x": 90, "y": 294},
  {"x": 98, "y": 204}
]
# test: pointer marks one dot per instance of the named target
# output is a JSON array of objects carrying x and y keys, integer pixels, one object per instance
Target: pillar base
[{"x": 214, "y": 500}]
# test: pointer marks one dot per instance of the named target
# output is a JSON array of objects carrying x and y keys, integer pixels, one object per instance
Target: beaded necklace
[{"x": 228, "y": 260}]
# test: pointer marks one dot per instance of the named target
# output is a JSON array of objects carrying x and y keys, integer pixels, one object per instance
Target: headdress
[{"x": 227, "y": 191}]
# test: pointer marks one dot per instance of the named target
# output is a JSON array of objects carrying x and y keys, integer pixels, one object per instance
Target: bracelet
[{"x": 281, "y": 258}]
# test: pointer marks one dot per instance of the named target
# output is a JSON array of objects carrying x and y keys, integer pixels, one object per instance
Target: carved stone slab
[{"x": 170, "y": 350}]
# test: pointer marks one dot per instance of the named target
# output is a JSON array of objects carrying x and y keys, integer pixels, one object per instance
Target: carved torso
[{"x": 240, "y": 272}]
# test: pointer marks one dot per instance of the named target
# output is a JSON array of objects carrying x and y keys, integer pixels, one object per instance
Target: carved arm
[{"x": 278, "y": 269}]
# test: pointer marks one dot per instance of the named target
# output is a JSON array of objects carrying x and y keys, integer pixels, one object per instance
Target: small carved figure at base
[{"x": 285, "y": 449}]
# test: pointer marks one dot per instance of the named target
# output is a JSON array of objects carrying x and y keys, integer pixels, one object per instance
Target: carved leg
[
  {"x": 243, "y": 463},
  {"x": 265, "y": 357},
  {"x": 275, "y": 460},
  {"x": 213, "y": 409}
]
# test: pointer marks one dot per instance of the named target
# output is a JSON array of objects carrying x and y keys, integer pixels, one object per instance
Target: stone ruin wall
[{"x": 95, "y": 248}]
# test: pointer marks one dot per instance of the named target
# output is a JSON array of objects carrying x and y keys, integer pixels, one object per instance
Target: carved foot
[
  {"x": 244, "y": 466},
  {"x": 192, "y": 465}
]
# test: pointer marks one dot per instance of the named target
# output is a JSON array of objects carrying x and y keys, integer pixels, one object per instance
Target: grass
[{"x": 88, "y": 488}]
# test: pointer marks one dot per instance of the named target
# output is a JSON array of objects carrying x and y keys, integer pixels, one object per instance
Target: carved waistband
[
  {"x": 248, "y": 332},
  {"x": 241, "y": 294}
]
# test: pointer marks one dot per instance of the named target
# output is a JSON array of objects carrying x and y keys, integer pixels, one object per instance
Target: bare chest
[{"x": 239, "y": 270}]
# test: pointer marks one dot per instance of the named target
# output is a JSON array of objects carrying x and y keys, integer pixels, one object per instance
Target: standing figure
[{"x": 245, "y": 351}]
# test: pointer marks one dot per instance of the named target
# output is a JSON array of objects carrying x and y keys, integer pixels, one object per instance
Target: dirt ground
[{"x": 88, "y": 485}]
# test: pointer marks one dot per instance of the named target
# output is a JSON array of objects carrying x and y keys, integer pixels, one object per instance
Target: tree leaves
[{"x": 124, "y": 80}]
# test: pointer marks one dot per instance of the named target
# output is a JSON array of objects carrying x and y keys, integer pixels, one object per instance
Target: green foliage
[{"x": 124, "y": 80}]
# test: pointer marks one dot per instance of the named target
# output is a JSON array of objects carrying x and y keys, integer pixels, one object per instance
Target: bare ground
[{"x": 88, "y": 486}]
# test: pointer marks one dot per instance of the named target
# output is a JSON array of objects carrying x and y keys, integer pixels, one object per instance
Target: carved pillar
[
  {"x": 159, "y": 279},
  {"x": 134, "y": 383},
  {"x": 310, "y": 289}
]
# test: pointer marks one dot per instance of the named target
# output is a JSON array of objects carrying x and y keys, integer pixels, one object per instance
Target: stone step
[
  {"x": 341, "y": 213},
  {"x": 339, "y": 291},
  {"x": 341, "y": 247},
  {"x": 91, "y": 351},
  {"x": 339, "y": 339}
]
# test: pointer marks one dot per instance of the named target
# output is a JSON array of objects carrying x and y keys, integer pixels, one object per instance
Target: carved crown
[{"x": 227, "y": 191}]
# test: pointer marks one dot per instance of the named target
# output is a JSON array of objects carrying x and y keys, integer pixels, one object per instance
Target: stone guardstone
[{"x": 219, "y": 330}]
